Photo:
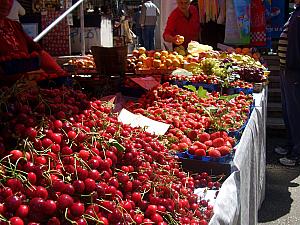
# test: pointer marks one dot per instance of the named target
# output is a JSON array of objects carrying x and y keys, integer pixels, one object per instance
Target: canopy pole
[
  {"x": 55, "y": 22},
  {"x": 82, "y": 37}
]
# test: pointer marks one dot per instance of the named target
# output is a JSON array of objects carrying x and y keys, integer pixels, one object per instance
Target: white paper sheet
[{"x": 134, "y": 120}]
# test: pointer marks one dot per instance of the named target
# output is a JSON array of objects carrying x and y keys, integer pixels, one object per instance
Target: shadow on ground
[{"x": 279, "y": 179}]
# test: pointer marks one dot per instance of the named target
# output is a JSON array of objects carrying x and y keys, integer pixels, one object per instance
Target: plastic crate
[
  {"x": 212, "y": 167},
  {"x": 223, "y": 159}
]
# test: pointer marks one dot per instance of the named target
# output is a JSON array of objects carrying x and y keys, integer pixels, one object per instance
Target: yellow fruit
[
  {"x": 163, "y": 66},
  {"x": 135, "y": 53},
  {"x": 180, "y": 58},
  {"x": 164, "y": 53},
  {"x": 163, "y": 58},
  {"x": 156, "y": 63},
  {"x": 168, "y": 62},
  {"x": 142, "y": 57},
  {"x": 179, "y": 39},
  {"x": 176, "y": 63},
  {"x": 157, "y": 55},
  {"x": 139, "y": 64},
  {"x": 189, "y": 57},
  {"x": 172, "y": 57},
  {"x": 181, "y": 52},
  {"x": 141, "y": 50}
]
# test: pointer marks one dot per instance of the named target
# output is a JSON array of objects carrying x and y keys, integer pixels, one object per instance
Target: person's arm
[
  {"x": 169, "y": 33},
  {"x": 143, "y": 16},
  {"x": 21, "y": 10}
]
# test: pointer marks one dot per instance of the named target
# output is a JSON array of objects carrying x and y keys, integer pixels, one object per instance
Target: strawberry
[
  {"x": 200, "y": 145},
  {"x": 215, "y": 135},
  {"x": 192, "y": 135},
  {"x": 231, "y": 140},
  {"x": 224, "y": 150},
  {"x": 223, "y": 134},
  {"x": 183, "y": 146},
  {"x": 214, "y": 153},
  {"x": 192, "y": 149},
  {"x": 218, "y": 142},
  {"x": 200, "y": 152},
  {"x": 208, "y": 143},
  {"x": 204, "y": 137}
]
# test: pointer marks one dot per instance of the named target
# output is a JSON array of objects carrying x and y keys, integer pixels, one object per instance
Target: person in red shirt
[{"x": 183, "y": 21}]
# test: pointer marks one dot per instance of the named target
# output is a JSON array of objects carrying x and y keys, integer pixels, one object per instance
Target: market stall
[{"x": 68, "y": 156}]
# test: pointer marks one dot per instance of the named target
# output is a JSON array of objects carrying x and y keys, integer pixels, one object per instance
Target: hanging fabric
[
  {"x": 208, "y": 10},
  {"x": 258, "y": 23},
  {"x": 237, "y": 29},
  {"x": 222, "y": 12}
]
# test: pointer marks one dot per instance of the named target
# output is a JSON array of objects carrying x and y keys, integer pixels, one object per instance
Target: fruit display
[
  {"x": 82, "y": 63},
  {"x": 206, "y": 65},
  {"x": 252, "y": 52},
  {"x": 200, "y": 121},
  {"x": 143, "y": 61},
  {"x": 65, "y": 159}
]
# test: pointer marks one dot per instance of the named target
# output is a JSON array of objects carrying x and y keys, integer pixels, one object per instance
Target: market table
[{"x": 243, "y": 191}]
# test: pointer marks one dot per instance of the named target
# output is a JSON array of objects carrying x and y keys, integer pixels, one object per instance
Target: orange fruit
[
  {"x": 245, "y": 51},
  {"x": 238, "y": 50}
]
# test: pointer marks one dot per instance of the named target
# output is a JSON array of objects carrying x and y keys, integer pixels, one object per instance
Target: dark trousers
[
  {"x": 291, "y": 107},
  {"x": 148, "y": 37}
]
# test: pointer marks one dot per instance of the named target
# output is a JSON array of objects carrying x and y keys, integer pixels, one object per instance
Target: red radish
[
  {"x": 16, "y": 221},
  {"x": 49, "y": 207},
  {"x": 77, "y": 209},
  {"x": 64, "y": 201},
  {"x": 13, "y": 202},
  {"x": 16, "y": 155},
  {"x": 22, "y": 211}
]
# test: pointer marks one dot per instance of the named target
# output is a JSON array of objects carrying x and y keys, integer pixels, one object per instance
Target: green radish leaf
[
  {"x": 191, "y": 88},
  {"x": 202, "y": 93},
  {"x": 228, "y": 97},
  {"x": 120, "y": 147}
]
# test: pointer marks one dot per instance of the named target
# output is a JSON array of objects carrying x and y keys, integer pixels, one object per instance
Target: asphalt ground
[{"x": 282, "y": 199}]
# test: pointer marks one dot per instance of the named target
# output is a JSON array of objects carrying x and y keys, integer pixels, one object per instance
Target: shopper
[
  {"x": 16, "y": 11},
  {"x": 136, "y": 26},
  {"x": 289, "y": 52},
  {"x": 183, "y": 21},
  {"x": 148, "y": 20}
]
